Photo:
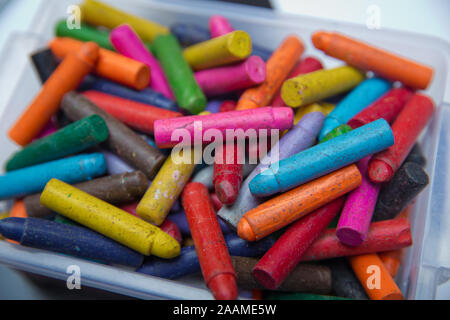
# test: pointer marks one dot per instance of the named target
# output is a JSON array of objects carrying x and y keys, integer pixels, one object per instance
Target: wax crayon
[
  {"x": 45, "y": 63},
  {"x": 49, "y": 128},
  {"x": 128, "y": 43},
  {"x": 100, "y": 14},
  {"x": 227, "y": 105},
  {"x": 213, "y": 106},
  {"x": 147, "y": 96},
  {"x": 66, "y": 77},
  {"x": 68, "y": 239},
  {"x": 116, "y": 189},
  {"x": 108, "y": 220},
  {"x": 188, "y": 94},
  {"x": 323, "y": 107},
  {"x": 359, "y": 98},
  {"x": 216, "y": 202},
  {"x": 122, "y": 140},
  {"x": 77, "y": 137},
  {"x": 187, "y": 262},
  {"x": 110, "y": 64},
  {"x": 336, "y": 132},
  {"x": 382, "y": 236},
  {"x": 166, "y": 187},
  {"x": 189, "y": 34},
  {"x": 306, "y": 65},
  {"x": 223, "y": 50},
  {"x": 368, "y": 57},
  {"x": 205, "y": 176},
  {"x": 18, "y": 210},
  {"x": 278, "y": 263},
  {"x": 277, "y": 69},
  {"x": 221, "y": 80},
  {"x": 387, "y": 107},
  {"x": 344, "y": 282},
  {"x": 3, "y": 215},
  {"x": 358, "y": 209},
  {"x": 323, "y": 158},
  {"x": 261, "y": 118},
  {"x": 134, "y": 114},
  {"x": 416, "y": 156},
  {"x": 284, "y": 209},
  {"x": 319, "y": 85},
  {"x": 115, "y": 165},
  {"x": 409, "y": 123},
  {"x": 407, "y": 183},
  {"x": 227, "y": 176},
  {"x": 179, "y": 218},
  {"x": 215, "y": 261},
  {"x": 301, "y": 296},
  {"x": 84, "y": 33},
  {"x": 21, "y": 182},
  {"x": 302, "y": 136},
  {"x": 304, "y": 277},
  {"x": 374, "y": 277}
]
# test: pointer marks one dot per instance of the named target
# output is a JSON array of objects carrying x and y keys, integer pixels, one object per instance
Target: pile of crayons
[{"x": 96, "y": 178}]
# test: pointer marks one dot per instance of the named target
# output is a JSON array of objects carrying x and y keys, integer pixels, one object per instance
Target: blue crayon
[
  {"x": 68, "y": 239},
  {"x": 179, "y": 218},
  {"x": 189, "y": 34},
  {"x": 358, "y": 99},
  {"x": 187, "y": 262},
  {"x": 147, "y": 96},
  {"x": 323, "y": 158},
  {"x": 18, "y": 183},
  {"x": 213, "y": 106}
]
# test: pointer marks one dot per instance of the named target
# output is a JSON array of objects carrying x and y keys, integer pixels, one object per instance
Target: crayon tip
[
  {"x": 227, "y": 192},
  {"x": 349, "y": 236},
  {"x": 320, "y": 39},
  {"x": 380, "y": 171},
  {"x": 264, "y": 184},
  {"x": 223, "y": 287},
  {"x": 264, "y": 278},
  {"x": 256, "y": 69},
  {"x": 89, "y": 53},
  {"x": 164, "y": 246},
  {"x": 245, "y": 231}
]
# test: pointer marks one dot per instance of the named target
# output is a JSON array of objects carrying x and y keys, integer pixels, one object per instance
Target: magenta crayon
[
  {"x": 256, "y": 119},
  {"x": 218, "y": 26},
  {"x": 281, "y": 259},
  {"x": 221, "y": 80},
  {"x": 127, "y": 42},
  {"x": 357, "y": 213},
  {"x": 307, "y": 65},
  {"x": 49, "y": 128}
]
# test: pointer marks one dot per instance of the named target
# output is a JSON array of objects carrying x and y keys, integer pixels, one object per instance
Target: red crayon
[
  {"x": 386, "y": 107},
  {"x": 227, "y": 177},
  {"x": 382, "y": 236},
  {"x": 406, "y": 128},
  {"x": 217, "y": 204},
  {"x": 228, "y": 105},
  {"x": 307, "y": 65},
  {"x": 284, "y": 255},
  {"x": 212, "y": 251},
  {"x": 137, "y": 115}
]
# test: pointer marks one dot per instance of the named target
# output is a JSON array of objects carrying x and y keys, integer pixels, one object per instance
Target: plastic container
[{"x": 425, "y": 273}]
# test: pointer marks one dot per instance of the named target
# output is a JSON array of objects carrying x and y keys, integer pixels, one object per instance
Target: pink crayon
[
  {"x": 128, "y": 43},
  {"x": 182, "y": 128},
  {"x": 222, "y": 80},
  {"x": 219, "y": 25},
  {"x": 357, "y": 213},
  {"x": 307, "y": 65}
]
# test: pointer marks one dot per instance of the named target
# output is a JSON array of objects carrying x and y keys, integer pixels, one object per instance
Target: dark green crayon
[
  {"x": 84, "y": 33},
  {"x": 336, "y": 132},
  {"x": 300, "y": 296},
  {"x": 74, "y": 138},
  {"x": 188, "y": 94}
]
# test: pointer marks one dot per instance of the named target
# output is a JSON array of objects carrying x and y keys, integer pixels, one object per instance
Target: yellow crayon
[
  {"x": 108, "y": 220},
  {"x": 166, "y": 187},
  {"x": 3, "y": 215},
  {"x": 229, "y": 48},
  {"x": 323, "y": 107},
  {"x": 100, "y": 14},
  {"x": 204, "y": 113},
  {"x": 319, "y": 85}
]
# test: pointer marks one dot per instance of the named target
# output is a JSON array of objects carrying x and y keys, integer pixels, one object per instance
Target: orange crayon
[
  {"x": 284, "y": 209},
  {"x": 65, "y": 78},
  {"x": 110, "y": 65},
  {"x": 375, "y": 278},
  {"x": 367, "y": 57},
  {"x": 278, "y": 68}
]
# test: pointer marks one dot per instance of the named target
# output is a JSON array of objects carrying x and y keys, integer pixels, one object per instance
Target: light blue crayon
[
  {"x": 323, "y": 158},
  {"x": 360, "y": 98},
  {"x": 18, "y": 183}
]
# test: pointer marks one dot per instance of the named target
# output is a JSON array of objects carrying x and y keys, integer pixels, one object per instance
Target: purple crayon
[
  {"x": 302, "y": 136},
  {"x": 182, "y": 129},
  {"x": 358, "y": 209},
  {"x": 115, "y": 165},
  {"x": 217, "y": 81},
  {"x": 213, "y": 106},
  {"x": 128, "y": 43}
]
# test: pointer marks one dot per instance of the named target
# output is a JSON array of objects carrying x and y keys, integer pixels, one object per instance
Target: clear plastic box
[{"x": 425, "y": 273}]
